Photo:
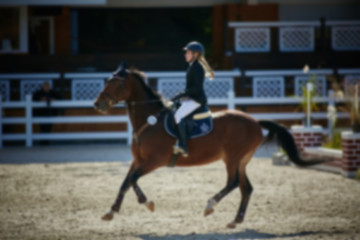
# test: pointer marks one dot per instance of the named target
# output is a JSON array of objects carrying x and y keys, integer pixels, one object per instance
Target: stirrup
[{"x": 178, "y": 149}]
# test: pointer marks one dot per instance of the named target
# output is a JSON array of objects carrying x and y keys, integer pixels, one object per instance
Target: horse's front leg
[
  {"x": 142, "y": 198},
  {"x": 123, "y": 189},
  {"x": 148, "y": 165}
]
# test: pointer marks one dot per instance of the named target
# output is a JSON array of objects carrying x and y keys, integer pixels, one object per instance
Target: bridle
[
  {"x": 136, "y": 133},
  {"x": 111, "y": 97},
  {"x": 133, "y": 103}
]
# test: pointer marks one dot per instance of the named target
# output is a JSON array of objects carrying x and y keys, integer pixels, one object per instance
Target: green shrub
[{"x": 335, "y": 142}]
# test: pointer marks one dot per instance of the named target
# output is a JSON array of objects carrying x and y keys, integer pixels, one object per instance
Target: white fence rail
[
  {"x": 350, "y": 75},
  {"x": 230, "y": 103},
  {"x": 29, "y": 120},
  {"x": 345, "y": 35},
  {"x": 271, "y": 83}
]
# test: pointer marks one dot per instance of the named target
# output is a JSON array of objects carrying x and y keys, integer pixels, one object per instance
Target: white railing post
[
  {"x": 309, "y": 88},
  {"x": 28, "y": 118},
  {"x": 129, "y": 132},
  {"x": 231, "y": 100},
  {"x": 331, "y": 102},
  {"x": 1, "y": 128}
]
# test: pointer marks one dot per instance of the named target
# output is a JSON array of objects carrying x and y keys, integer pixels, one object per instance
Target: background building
[
  {"x": 263, "y": 45},
  {"x": 94, "y": 35}
]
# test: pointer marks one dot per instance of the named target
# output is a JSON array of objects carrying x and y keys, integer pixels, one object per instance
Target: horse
[{"x": 234, "y": 139}]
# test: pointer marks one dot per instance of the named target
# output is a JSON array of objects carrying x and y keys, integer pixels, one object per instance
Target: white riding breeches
[{"x": 187, "y": 107}]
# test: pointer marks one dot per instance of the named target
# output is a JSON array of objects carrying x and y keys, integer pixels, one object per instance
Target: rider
[{"x": 194, "y": 95}]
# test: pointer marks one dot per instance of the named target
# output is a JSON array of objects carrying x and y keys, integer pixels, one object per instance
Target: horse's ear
[
  {"x": 123, "y": 64},
  {"x": 121, "y": 70}
]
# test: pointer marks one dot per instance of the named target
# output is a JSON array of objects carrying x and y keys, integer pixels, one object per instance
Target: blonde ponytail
[{"x": 208, "y": 70}]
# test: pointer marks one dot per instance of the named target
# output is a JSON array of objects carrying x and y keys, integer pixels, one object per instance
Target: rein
[
  {"x": 144, "y": 101},
  {"x": 114, "y": 100},
  {"x": 136, "y": 133}
]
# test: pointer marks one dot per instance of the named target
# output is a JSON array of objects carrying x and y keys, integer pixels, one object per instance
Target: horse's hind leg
[
  {"x": 232, "y": 183},
  {"x": 246, "y": 190}
]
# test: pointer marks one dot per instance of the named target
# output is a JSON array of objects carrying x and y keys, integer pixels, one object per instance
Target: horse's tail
[{"x": 286, "y": 141}]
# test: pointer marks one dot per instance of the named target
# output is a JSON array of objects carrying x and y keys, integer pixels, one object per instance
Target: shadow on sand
[{"x": 247, "y": 234}]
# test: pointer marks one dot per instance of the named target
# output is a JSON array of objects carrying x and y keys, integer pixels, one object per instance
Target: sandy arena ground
[{"x": 66, "y": 201}]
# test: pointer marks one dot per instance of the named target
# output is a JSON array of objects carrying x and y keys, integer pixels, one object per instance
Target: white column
[
  {"x": 309, "y": 88},
  {"x": 231, "y": 101},
  {"x": 28, "y": 118},
  {"x": 331, "y": 103}
]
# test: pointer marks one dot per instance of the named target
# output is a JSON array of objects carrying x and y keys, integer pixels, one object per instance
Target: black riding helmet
[{"x": 195, "y": 47}]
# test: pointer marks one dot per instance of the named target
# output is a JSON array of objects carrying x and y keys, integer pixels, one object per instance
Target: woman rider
[{"x": 194, "y": 95}]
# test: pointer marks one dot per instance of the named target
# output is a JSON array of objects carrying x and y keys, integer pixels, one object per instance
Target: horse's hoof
[
  {"x": 240, "y": 220},
  {"x": 231, "y": 225},
  {"x": 150, "y": 205},
  {"x": 108, "y": 217},
  {"x": 208, "y": 211}
]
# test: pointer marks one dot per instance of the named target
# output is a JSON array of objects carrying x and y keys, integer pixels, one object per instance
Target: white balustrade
[
  {"x": 294, "y": 36},
  {"x": 220, "y": 91}
]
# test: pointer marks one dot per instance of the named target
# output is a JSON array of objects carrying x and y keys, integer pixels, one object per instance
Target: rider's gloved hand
[{"x": 170, "y": 104}]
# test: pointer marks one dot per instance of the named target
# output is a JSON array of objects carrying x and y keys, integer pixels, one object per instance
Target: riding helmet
[{"x": 195, "y": 47}]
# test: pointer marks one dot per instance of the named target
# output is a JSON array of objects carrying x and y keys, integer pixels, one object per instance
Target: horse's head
[{"x": 117, "y": 89}]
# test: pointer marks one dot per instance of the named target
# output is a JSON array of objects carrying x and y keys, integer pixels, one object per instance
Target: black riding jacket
[{"x": 195, "y": 77}]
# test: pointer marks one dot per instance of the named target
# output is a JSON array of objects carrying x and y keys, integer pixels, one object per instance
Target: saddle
[{"x": 198, "y": 124}]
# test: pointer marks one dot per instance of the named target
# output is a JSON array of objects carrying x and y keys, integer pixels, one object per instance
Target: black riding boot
[{"x": 181, "y": 146}]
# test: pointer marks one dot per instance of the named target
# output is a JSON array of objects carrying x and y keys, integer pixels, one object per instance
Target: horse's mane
[{"x": 140, "y": 77}]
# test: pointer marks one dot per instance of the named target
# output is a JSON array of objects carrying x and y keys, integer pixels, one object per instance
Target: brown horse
[{"x": 234, "y": 139}]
